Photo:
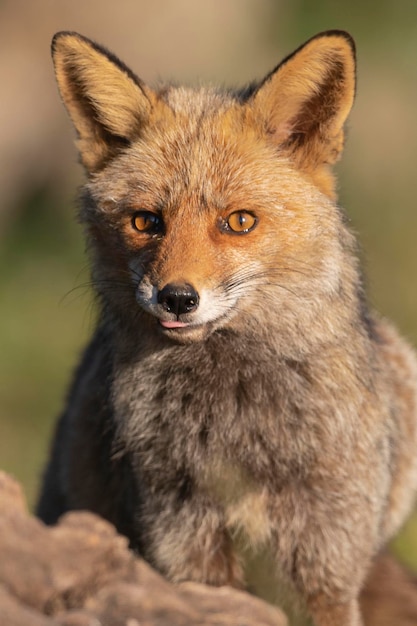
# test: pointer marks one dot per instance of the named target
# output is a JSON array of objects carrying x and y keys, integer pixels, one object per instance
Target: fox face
[{"x": 208, "y": 209}]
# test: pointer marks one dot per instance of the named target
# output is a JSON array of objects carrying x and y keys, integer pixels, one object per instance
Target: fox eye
[
  {"x": 240, "y": 222},
  {"x": 147, "y": 222}
]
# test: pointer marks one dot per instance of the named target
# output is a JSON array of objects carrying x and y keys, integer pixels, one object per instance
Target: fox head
[{"x": 208, "y": 209}]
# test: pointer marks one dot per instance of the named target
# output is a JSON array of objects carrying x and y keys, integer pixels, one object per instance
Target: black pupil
[{"x": 151, "y": 220}]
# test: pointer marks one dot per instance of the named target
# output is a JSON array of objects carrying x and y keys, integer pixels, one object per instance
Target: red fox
[{"x": 239, "y": 399}]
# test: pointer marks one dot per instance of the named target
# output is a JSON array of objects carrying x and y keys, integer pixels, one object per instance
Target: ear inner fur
[
  {"x": 106, "y": 102},
  {"x": 306, "y": 100}
]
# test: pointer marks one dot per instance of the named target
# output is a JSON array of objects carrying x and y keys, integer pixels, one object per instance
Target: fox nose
[{"x": 178, "y": 299}]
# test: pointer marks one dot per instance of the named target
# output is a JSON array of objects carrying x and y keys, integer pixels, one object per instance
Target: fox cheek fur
[{"x": 237, "y": 386}]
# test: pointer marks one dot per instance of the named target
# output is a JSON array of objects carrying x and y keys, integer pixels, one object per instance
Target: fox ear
[
  {"x": 106, "y": 102},
  {"x": 306, "y": 100}
]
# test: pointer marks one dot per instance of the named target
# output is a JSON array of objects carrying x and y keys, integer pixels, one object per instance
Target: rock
[
  {"x": 81, "y": 573},
  {"x": 15, "y": 613}
]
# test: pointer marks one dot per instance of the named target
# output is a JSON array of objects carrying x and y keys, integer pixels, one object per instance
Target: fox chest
[
  {"x": 214, "y": 429},
  {"x": 233, "y": 444},
  {"x": 243, "y": 422},
  {"x": 235, "y": 441}
]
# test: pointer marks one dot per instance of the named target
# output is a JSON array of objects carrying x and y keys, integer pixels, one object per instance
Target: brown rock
[
  {"x": 234, "y": 609},
  {"x": 81, "y": 573},
  {"x": 12, "y": 499},
  {"x": 15, "y": 613}
]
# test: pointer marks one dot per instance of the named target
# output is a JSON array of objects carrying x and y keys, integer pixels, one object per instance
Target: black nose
[{"x": 178, "y": 299}]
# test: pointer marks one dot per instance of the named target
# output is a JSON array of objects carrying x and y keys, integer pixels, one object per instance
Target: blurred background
[{"x": 46, "y": 311}]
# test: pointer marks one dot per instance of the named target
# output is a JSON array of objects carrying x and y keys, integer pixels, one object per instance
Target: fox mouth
[
  {"x": 189, "y": 332},
  {"x": 184, "y": 332},
  {"x": 169, "y": 324}
]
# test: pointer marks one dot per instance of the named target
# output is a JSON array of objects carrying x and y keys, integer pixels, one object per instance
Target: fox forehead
[
  {"x": 196, "y": 103},
  {"x": 204, "y": 149}
]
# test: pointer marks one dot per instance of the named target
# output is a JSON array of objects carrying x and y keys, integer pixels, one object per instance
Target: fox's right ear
[{"x": 107, "y": 103}]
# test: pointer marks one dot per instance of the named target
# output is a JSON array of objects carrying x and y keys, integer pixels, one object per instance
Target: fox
[{"x": 239, "y": 401}]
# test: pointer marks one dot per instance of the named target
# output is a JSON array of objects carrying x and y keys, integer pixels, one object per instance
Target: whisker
[
  {"x": 255, "y": 277},
  {"x": 65, "y": 298}
]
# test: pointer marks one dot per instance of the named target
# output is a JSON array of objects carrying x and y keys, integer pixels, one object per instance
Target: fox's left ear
[{"x": 305, "y": 102}]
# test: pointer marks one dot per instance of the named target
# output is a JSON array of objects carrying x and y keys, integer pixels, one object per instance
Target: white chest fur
[{"x": 249, "y": 522}]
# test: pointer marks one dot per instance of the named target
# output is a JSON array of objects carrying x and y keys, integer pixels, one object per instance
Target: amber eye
[
  {"x": 241, "y": 222},
  {"x": 147, "y": 222}
]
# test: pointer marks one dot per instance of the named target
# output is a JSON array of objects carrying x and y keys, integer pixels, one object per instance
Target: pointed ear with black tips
[
  {"x": 108, "y": 105},
  {"x": 306, "y": 100}
]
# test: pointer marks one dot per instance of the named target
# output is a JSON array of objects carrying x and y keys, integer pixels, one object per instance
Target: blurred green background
[{"x": 46, "y": 310}]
